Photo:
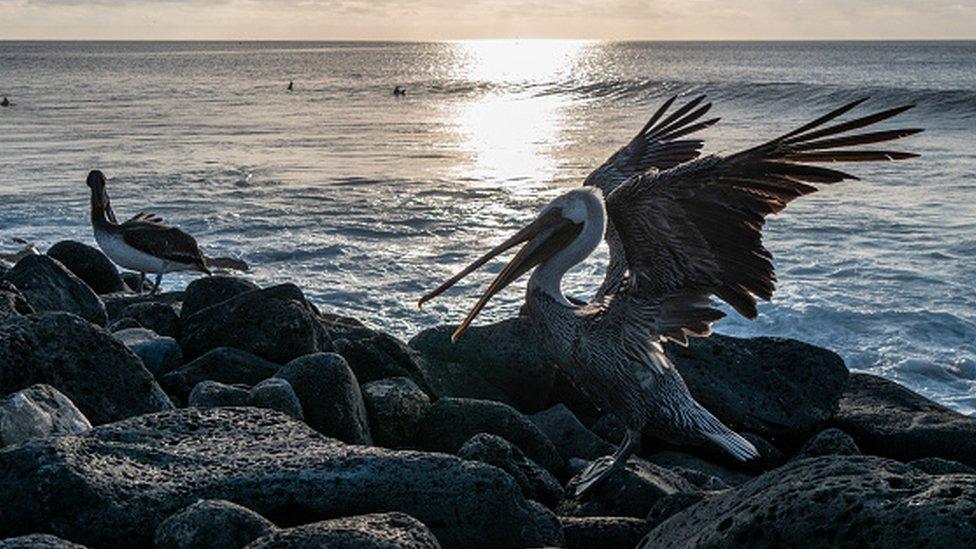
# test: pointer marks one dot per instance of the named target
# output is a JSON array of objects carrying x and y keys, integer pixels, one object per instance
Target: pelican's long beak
[{"x": 548, "y": 234}]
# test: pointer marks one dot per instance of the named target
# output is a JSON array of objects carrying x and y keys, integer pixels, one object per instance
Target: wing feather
[{"x": 695, "y": 231}]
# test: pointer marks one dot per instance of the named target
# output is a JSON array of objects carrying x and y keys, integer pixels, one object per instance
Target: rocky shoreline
[{"x": 229, "y": 415}]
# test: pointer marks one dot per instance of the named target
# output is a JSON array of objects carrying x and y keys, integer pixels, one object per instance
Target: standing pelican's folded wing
[
  {"x": 696, "y": 230},
  {"x": 657, "y": 146}
]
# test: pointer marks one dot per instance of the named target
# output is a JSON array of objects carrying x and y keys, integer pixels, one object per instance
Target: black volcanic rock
[
  {"x": 829, "y": 442},
  {"x": 886, "y": 419},
  {"x": 629, "y": 492},
  {"x": 375, "y": 531},
  {"x": 331, "y": 399},
  {"x": 38, "y": 541},
  {"x": 451, "y": 422},
  {"x": 603, "y": 532},
  {"x": 213, "y": 524},
  {"x": 276, "y": 324},
  {"x": 12, "y": 301},
  {"x": 223, "y": 364},
  {"x": 90, "y": 265},
  {"x": 852, "y": 501},
  {"x": 38, "y": 411},
  {"x": 162, "y": 318},
  {"x": 781, "y": 389},
  {"x": 211, "y": 290},
  {"x": 505, "y": 355},
  {"x": 49, "y": 286},
  {"x": 114, "y": 485},
  {"x": 395, "y": 407},
  {"x": 210, "y": 394},
  {"x": 536, "y": 483},
  {"x": 103, "y": 378},
  {"x": 571, "y": 438}
]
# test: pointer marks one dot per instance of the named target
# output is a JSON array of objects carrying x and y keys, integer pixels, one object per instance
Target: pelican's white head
[{"x": 566, "y": 231}]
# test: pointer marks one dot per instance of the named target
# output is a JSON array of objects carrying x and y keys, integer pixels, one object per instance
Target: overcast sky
[{"x": 447, "y": 19}]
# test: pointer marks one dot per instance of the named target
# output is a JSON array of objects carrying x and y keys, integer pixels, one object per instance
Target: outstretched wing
[
  {"x": 657, "y": 146},
  {"x": 696, "y": 230}
]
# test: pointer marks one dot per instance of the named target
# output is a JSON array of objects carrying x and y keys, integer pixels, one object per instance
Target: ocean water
[{"x": 367, "y": 201}]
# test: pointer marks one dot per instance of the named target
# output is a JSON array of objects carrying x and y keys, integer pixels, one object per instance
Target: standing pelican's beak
[{"x": 549, "y": 233}]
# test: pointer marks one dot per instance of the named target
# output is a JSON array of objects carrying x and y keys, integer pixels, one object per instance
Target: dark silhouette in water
[
  {"x": 5, "y": 103},
  {"x": 291, "y": 86},
  {"x": 399, "y": 92}
]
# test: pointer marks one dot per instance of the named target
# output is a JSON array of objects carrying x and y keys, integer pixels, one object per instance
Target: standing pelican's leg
[
  {"x": 601, "y": 469},
  {"x": 142, "y": 282},
  {"x": 159, "y": 278}
]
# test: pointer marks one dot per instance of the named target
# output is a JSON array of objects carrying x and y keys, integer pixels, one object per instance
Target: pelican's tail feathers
[{"x": 714, "y": 430}]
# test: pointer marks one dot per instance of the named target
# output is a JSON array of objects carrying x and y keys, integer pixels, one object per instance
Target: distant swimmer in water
[
  {"x": 399, "y": 92},
  {"x": 291, "y": 86},
  {"x": 5, "y": 103}
]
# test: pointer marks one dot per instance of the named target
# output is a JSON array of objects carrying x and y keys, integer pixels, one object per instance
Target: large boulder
[
  {"x": 38, "y": 541},
  {"x": 48, "y": 286},
  {"x": 504, "y": 354},
  {"x": 851, "y": 501},
  {"x": 829, "y": 442},
  {"x": 162, "y": 318},
  {"x": 330, "y": 396},
  {"x": 781, "y": 389},
  {"x": 160, "y": 355},
  {"x": 395, "y": 407},
  {"x": 372, "y": 355},
  {"x": 12, "y": 301},
  {"x": 451, "y": 422},
  {"x": 89, "y": 264},
  {"x": 276, "y": 323},
  {"x": 103, "y": 378},
  {"x": 115, "y": 484},
  {"x": 223, "y": 364},
  {"x": 376, "y": 531},
  {"x": 571, "y": 438},
  {"x": 214, "y": 524},
  {"x": 211, "y": 290},
  {"x": 886, "y": 419},
  {"x": 536, "y": 483},
  {"x": 38, "y": 411},
  {"x": 116, "y": 305},
  {"x": 630, "y": 492}
]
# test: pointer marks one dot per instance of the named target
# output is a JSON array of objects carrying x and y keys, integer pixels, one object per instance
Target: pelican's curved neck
[{"x": 548, "y": 276}]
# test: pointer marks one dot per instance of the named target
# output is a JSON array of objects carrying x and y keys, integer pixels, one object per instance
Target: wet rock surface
[
  {"x": 103, "y": 378},
  {"x": 829, "y": 501},
  {"x": 376, "y": 531},
  {"x": 49, "y": 286},
  {"x": 114, "y": 485}
]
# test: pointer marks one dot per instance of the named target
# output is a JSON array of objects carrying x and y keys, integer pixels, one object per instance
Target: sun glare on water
[{"x": 511, "y": 131}]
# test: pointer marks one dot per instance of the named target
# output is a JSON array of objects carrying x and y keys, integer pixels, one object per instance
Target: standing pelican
[
  {"x": 682, "y": 234},
  {"x": 143, "y": 244}
]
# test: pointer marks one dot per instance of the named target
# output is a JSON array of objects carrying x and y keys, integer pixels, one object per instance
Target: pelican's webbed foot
[{"x": 600, "y": 470}]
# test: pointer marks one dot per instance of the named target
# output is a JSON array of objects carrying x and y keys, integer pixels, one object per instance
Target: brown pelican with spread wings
[{"x": 680, "y": 231}]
